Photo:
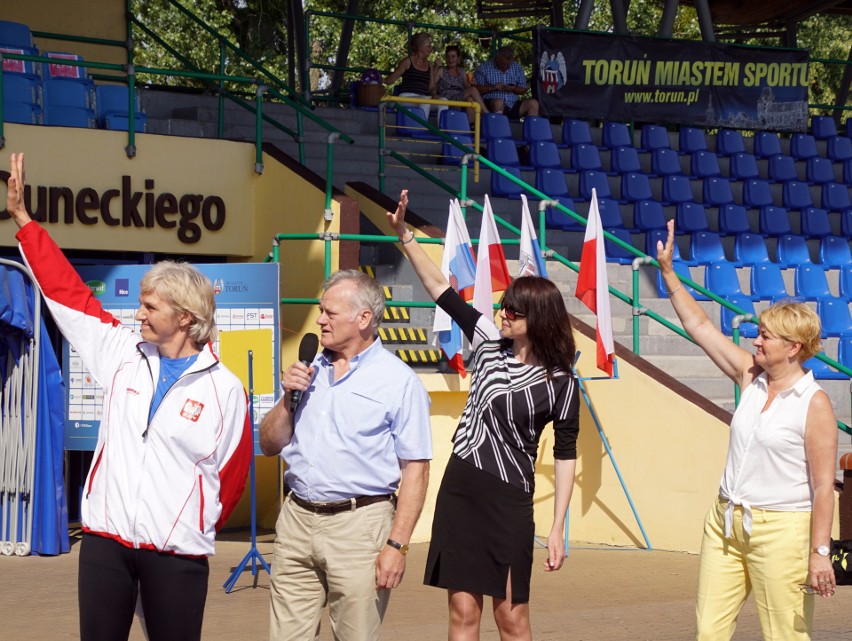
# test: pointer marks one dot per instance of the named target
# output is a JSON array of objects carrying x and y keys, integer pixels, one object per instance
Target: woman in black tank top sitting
[{"x": 415, "y": 71}]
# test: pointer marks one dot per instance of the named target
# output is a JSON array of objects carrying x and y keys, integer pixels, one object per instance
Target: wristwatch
[
  {"x": 822, "y": 550},
  {"x": 403, "y": 549}
]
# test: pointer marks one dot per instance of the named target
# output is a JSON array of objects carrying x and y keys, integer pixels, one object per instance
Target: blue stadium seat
[
  {"x": 452, "y": 155},
  {"x": 810, "y": 282},
  {"x": 756, "y": 194},
  {"x": 616, "y": 253},
  {"x": 844, "y": 350},
  {"x": 537, "y": 128},
  {"x": 60, "y": 70},
  {"x": 782, "y": 168},
  {"x": 847, "y": 171},
  {"x": 767, "y": 144},
  {"x": 665, "y": 162},
  {"x": 502, "y": 186},
  {"x": 767, "y": 282},
  {"x": 774, "y": 221},
  {"x": 733, "y": 220},
  {"x": 64, "y": 116},
  {"x": 610, "y": 213},
  {"x": 743, "y": 167},
  {"x": 823, "y": 371},
  {"x": 453, "y": 123},
  {"x": 676, "y": 190},
  {"x": 729, "y": 142},
  {"x": 556, "y": 219},
  {"x": 835, "y": 317},
  {"x": 846, "y": 223},
  {"x": 576, "y": 132},
  {"x": 792, "y": 251},
  {"x": 803, "y": 146},
  {"x": 849, "y": 127},
  {"x": 594, "y": 180},
  {"x": 750, "y": 249},
  {"x": 654, "y": 235},
  {"x": 21, "y": 88},
  {"x": 747, "y": 330},
  {"x": 815, "y": 223},
  {"x": 545, "y": 154},
  {"x": 496, "y": 126},
  {"x": 834, "y": 252},
  {"x": 648, "y": 215},
  {"x": 503, "y": 152},
  {"x": 690, "y": 218},
  {"x": 819, "y": 171},
  {"x": 717, "y": 192},
  {"x": 705, "y": 248},
  {"x": 654, "y": 137},
  {"x": 839, "y": 148},
  {"x": 682, "y": 270},
  {"x": 796, "y": 194},
  {"x": 552, "y": 182},
  {"x": 690, "y": 140},
  {"x": 823, "y": 127},
  {"x": 114, "y": 109},
  {"x": 845, "y": 282},
  {"x": 616, "y": 134},
  {"x": 585, "y": 157},
  {"x": 635, "y": 187},
  {"x": 67, "y": 104},
  {"x": 704, "y": 164},
  {"x": 20, "y": 67},
  {"x": 625, "y": 159},
  {"x": 721, "y": 279},
  {"x": 835, "y": 197},
  {"x": 405, "y": 125}
]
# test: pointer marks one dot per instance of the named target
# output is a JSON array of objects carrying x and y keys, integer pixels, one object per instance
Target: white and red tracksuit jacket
[{"x": 166, "y": 486}]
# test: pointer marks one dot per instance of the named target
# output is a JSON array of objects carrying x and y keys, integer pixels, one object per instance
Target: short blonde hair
[
  {"x": 796, "y": 323},
  {"x": 185, "y": 289}
]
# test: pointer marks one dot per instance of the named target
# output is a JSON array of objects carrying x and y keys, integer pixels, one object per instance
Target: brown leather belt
[{"x": 335, "y": 507}]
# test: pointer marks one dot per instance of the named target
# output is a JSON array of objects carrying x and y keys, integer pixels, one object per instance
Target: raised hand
[
  {"x": 15, "y": 190},
  {"x": 396, "y": 219},
  {"x": 665, "y": 252}
]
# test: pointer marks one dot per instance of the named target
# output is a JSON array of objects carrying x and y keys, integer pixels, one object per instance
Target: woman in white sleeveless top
[{"x": 769, "y": 531}]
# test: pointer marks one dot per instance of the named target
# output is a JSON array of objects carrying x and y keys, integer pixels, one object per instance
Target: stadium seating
[
  {"x": 576, "y": 132},
  {"x": 691, "y": 140},
  {"x": 545, "y": 154},
  {"x": 665, "y": 162},
  {"x": 792, "y": 251},
  {"x": 691, "y": 218},
  {"x": 682, "y": 270},
  {"x": 796, "y": 194},
  {"x": 733, "y": 220},
  {"x": 654, "y": 137},
  {"x": 616, "y": 134},
  {"x": 767, "y": 282},
  {"x": 729, "y": 142},
  {"x": 810, "y": 282},
  {"x": 834, "y": 252},
  {"x": 66, "y": 104},
  {"x": 815, "y": 223},
  {"x": 705, "y": 248},
  {"x": 704, "y": 164},
  {"x": 845, "y": 283},
  {"x": 503, "y": 152},
  {"x": 502, "y": 186},
  {"x": 774, "y": 221},
  {"x": 453, "y": 123},
  {"x": 721, "y": 279},
  {"x": 625, "y": 159},
  {"x": 405, "y": 124},
  {"x": 846, "y": 223},
  {"x": 823, "y": 371},
  {"x": 743, "y": 167},
  {"x": 635, "y": 187},
  {"x": 819, "y": 171},
  {"x": 616, "y": 253},
  {"x": 803, "y": 146},
  {"x": 552, "y": 182},
  {"x": 847, "y": 171},
  {"x": 747, "y": 330},
  {"x": 717, "y": 192},
  {"x": 823, "y": 127},
  {"x": 750, "y": 249},
  {"x": 834, "y": 315},
  {"x": 495, "y": 126},
  {"x": 584, "y": 157},
  {"x": 839, "y": 148},
  {"x": 756, "y": 194},
  {"x": 676, "y": 190},
  {"x": 61, "y": 70},
  {"x": 537, "y": 128},
  {"x": 648, "y": 215},
  {"x": 835, "y": 197},
  {"x": 594, "y": 180},
  {"x": 21, "y": 99},
  {"x": 767, "y": 144},
  {"x": 782, "y": 168}
]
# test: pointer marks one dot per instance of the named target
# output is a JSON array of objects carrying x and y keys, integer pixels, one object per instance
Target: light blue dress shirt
[{"x": 351, "y": 433}]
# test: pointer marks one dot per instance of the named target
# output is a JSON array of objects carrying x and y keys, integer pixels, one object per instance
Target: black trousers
[{"x": 173, "y": 591}]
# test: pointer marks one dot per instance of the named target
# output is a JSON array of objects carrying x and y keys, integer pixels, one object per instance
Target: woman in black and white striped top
[{"x": 482, "y": 533}]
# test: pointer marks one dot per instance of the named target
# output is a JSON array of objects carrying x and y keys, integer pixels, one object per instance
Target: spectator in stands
[
  {"x": 502, "y": 82},
  {"x": 174, "y": 444},
  {"x": 521, "y": 380},
  {"x": 416, "y": 71},
  {"x": 451, "y": 82},
  {"x": 770, "y": 529}
]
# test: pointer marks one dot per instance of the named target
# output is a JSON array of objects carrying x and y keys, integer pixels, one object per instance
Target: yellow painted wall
[{"x": 91, "y": 18}]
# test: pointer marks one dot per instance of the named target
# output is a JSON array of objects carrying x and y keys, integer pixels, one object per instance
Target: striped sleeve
[
  {"x": 476, "y": 327},
  {"x": 566, "y": 425}
]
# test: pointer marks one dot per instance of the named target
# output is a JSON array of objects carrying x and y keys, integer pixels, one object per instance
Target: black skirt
[{"x": 483, "y": 528}]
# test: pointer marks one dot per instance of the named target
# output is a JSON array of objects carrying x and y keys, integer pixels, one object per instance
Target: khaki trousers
[
  {"x": 328, "y": 558},
  {"x": 771, "y": 562}
]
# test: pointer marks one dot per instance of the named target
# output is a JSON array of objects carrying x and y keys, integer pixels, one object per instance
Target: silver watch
[{"x": 822, "y": 550}]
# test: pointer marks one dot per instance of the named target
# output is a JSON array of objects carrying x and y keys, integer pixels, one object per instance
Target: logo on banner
[
  {"x": 98, "y": 287},
  {"x": 122, "y": 287},
  {"x": 191, "y": 410},
  {"x": 552, "y": 71},
  {"x": 218, "y": 286}
]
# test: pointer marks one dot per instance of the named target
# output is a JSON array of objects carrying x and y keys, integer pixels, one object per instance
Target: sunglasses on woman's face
[{"x": 510, "y": 312}]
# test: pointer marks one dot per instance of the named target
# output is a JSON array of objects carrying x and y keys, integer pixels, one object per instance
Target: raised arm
[
  {"x": 734, "y": 361},
  {"x": 427, "y": 271},
  {"x": 15, "y": 191},
  {"x": 396, "y": 73}
]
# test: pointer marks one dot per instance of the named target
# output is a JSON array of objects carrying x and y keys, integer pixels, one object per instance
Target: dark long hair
[{"x": 548, "y": 325}]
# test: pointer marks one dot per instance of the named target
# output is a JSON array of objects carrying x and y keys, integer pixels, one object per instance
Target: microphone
[{"x": 307, "y": 350}]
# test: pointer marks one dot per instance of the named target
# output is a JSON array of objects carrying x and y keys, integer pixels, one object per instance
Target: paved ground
[{"x": 600, "y": 594}]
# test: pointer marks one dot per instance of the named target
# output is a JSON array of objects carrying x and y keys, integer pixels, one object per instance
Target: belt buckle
[{"x": 353, "y": 504}]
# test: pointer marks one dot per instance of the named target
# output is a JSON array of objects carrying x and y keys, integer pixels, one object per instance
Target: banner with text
[{"x": 706, "y": 84}]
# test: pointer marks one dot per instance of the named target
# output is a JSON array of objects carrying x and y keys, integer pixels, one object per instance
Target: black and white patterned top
[{"x": 509, "y": 404}]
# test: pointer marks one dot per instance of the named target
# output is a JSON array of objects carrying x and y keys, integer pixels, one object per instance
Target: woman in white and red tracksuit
[{"x": 174, "y": 444}]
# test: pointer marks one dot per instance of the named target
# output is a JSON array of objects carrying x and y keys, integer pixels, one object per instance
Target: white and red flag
[
  {"x": 492, "y": 273},
  {"x": 530, "y": 260},
  {"x": 593, "y": 286}
]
